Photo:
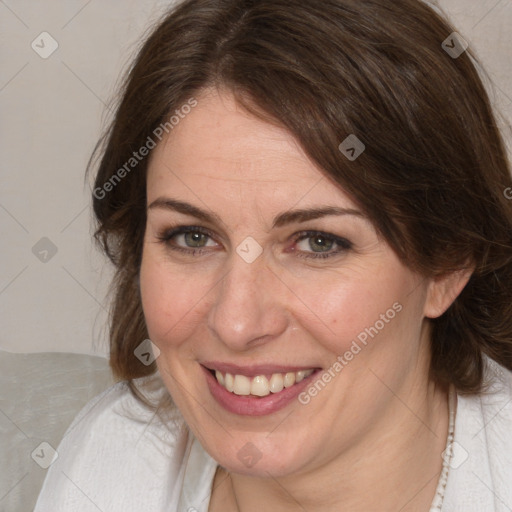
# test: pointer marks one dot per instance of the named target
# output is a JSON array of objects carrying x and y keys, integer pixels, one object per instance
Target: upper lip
[{"x": 252, "y": 370}]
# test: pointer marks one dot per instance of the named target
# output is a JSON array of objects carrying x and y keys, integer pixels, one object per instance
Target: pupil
[
  {"x": 321, "y": 243},
  {"x": 195, "y": 239}
]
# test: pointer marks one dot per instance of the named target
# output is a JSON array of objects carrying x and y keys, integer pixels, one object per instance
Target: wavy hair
[{"x": 432, "y": 178}]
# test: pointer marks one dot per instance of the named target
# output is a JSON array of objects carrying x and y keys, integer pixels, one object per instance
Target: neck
[{"x": 395, "y": 465}]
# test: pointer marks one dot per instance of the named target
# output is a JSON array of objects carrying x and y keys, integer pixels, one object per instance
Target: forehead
[{"x": 220, "y": 150}]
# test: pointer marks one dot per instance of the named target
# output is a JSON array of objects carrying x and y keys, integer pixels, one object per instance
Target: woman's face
[{"x": 256, "y": 265}]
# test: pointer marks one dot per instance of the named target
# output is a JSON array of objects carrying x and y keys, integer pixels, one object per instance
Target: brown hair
[{"x": 432, "y": 176}]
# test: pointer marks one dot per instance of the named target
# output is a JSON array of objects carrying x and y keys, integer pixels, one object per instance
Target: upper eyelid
[
  {"x": 183, "y": 229},
  {"x": 341, "y": 241}
]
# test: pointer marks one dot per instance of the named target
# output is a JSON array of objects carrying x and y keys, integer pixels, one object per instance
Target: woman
[{"x": 304, "y": 202}]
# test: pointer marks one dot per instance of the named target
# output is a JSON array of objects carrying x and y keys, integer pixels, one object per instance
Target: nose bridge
[{"x": 246, "y": 307}]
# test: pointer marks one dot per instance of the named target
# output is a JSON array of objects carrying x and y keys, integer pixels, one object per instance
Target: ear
[{"x": 443, "y": 290}]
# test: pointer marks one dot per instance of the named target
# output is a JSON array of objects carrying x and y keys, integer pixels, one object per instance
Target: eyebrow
[{"x": 287, "y": 217}]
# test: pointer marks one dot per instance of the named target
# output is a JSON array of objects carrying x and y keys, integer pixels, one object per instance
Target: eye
[
  {"x": 193, "y": 239},
  {"x": 188, "y": 239},
  {"x": 316, "y": 244}
]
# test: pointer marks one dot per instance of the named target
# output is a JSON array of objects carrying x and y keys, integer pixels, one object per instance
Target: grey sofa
[{"x": 40, "y": 394}]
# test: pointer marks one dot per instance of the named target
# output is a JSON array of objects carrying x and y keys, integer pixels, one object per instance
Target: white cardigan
[{"x": 117, "y": 456}]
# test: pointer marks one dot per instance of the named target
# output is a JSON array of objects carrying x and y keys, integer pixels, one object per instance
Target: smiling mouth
[{"x": 260, "y": 385}]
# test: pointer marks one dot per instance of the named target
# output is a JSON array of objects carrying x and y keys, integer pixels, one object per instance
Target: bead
[{"x": 437, "y": 503}]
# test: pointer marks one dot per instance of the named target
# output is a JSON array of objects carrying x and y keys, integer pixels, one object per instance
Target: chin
[{"x": 257, "y": 456}]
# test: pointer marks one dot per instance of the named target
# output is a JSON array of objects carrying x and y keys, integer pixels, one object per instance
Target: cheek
[
  {"x": 332, "y": 309},
  {"x": 171, "y": 300},
  {"x": 343, "y": 309}
]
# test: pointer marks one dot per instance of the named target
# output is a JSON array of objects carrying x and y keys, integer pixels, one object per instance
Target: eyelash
[
  {"x": 166, "y": 237},
  {"x": 343, "y": 244}
]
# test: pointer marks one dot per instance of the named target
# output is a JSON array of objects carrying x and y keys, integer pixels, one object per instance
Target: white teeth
[
  {"x": 300, "y": 375},
  {"x": 229, "y": 382},
  {"x": 260, "y": 385},
  {"x": 242, "y": 385},
  {"x": 289, "y": 379},
  {"x": 276, "y": 383}
]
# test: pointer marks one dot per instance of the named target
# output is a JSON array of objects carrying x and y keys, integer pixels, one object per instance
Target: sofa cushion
[{"x": 40, "y": 394}]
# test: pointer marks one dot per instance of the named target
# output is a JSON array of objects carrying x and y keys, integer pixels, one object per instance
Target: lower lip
[{"x": 251, "y": 405}]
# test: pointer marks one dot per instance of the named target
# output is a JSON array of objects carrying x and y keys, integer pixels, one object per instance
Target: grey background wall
[{"x": 59, "y": 66}]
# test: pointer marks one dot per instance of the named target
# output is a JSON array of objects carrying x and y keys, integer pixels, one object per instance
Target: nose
[{"x": 249, "y": 305}]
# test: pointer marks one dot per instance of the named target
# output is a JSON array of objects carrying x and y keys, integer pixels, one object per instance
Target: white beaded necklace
[{"x": 437, "y": 503}]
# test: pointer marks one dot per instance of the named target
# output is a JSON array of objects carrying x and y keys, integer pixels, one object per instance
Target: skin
[{"x": 373, "y": 438}]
